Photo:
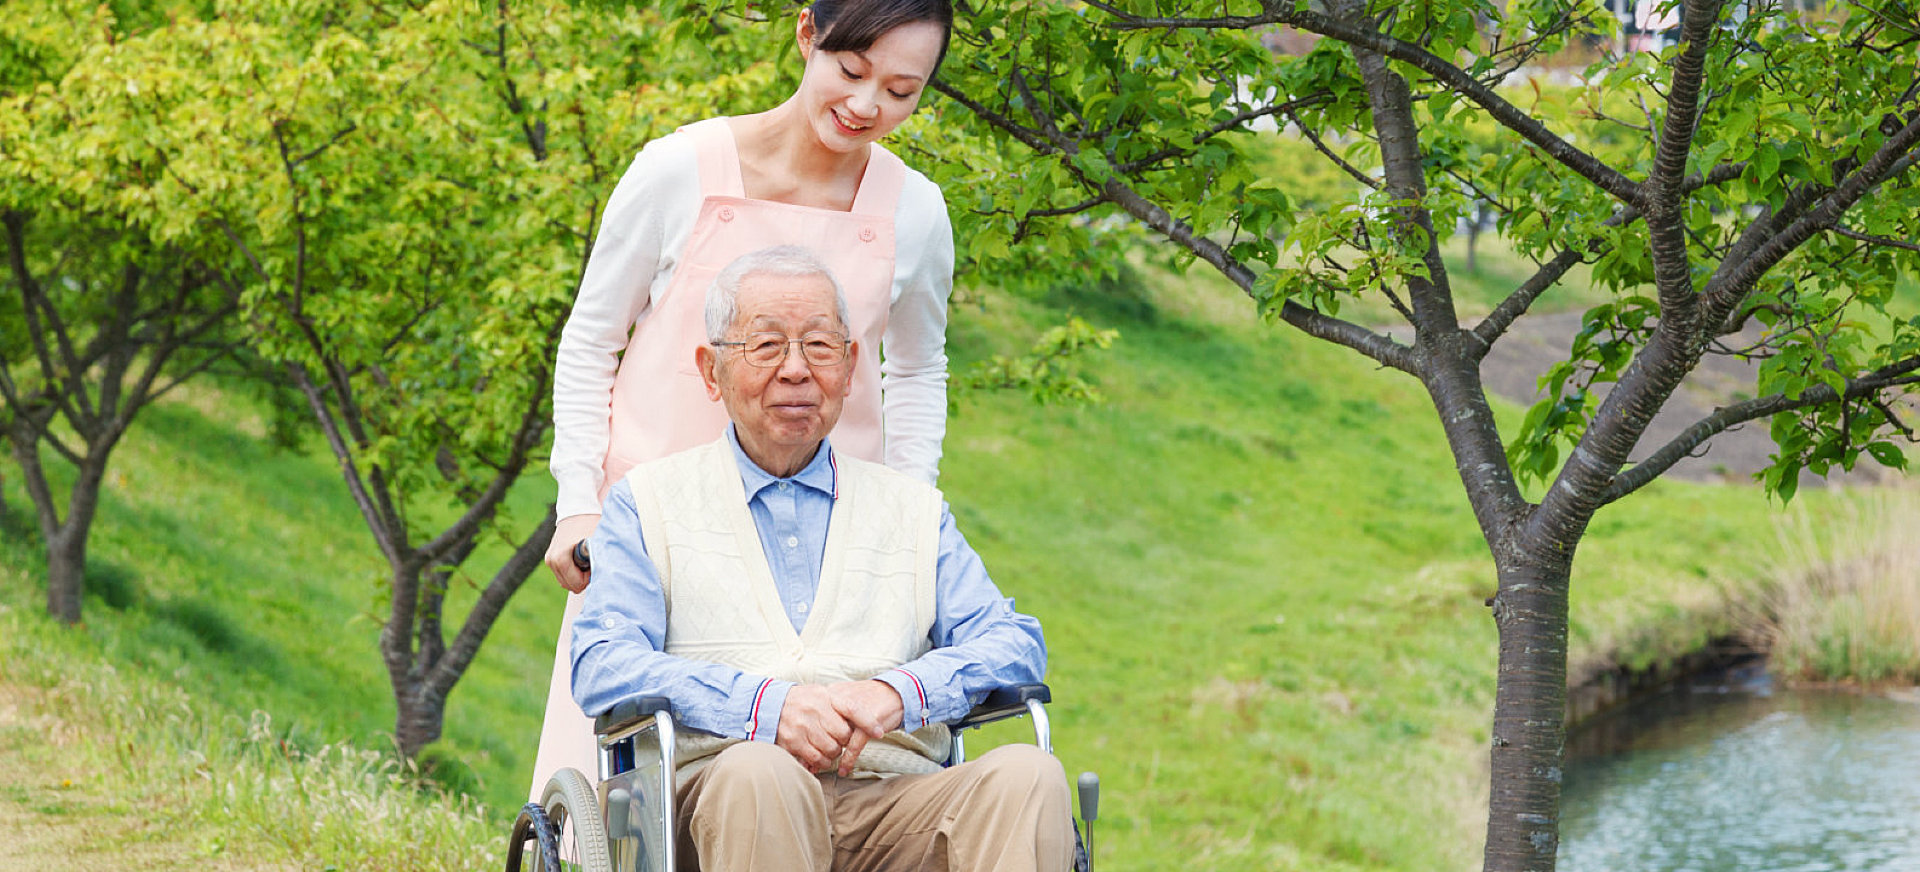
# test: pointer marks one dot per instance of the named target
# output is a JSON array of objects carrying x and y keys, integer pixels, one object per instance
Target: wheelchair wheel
[
  {"x": 574, "y": 812},
  {"x": 533, "y": 827}
]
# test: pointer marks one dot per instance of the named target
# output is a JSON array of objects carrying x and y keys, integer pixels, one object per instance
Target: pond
[{"x": 1731, "y": 774}]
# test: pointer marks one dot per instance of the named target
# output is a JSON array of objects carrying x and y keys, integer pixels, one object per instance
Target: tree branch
[
  {"x": 338, "y": 135},
  {"x": 1725, "y": 417},
  {"x": 1374, "y": 345},
  {"x": 1378, "y": 347},
  {"x": 39, "y": 490},
  {"x": 1495, "y": 325},
  {"x": 1508, "y": 115},
  {"x": 378, "y": 523},
  {"x": 33, "y": 300},
  {"x": 1663, "y": 199},
  {"x": 1287, "y": 108},
  {"x": 493, "y": 600},
  {"x": 533, "y": 427},
  {"x": 1731, "y": 283},
  {"x": 1491, "y": 328},
  {"x": 1352, "y": 171},
  {"x": 1700, "y": 19},
  {"x": 1870, "y": 239}
]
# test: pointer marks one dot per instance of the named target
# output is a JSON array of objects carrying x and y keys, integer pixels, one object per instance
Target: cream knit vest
[{"x": 873, "y": 610}]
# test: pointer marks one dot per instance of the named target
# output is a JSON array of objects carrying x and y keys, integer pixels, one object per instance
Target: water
[{"x": 1739, "y": 777}]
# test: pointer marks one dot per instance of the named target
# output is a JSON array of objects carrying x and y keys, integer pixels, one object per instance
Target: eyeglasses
[{"x": 770, "y": 349}]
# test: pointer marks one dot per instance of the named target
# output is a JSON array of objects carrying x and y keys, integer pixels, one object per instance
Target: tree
[
  {"x": 98, "y": 320},
  {"x": 410, "y": 191},
  {"x": 345, "y": 171},
  {"x": 1757, "y": 171},
  {"x": 106, "y": 326}
]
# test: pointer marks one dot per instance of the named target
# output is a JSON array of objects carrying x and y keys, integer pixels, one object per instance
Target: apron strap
[
  {"x": 719, "y": 159},
  {"x": 880, "y": 187}
]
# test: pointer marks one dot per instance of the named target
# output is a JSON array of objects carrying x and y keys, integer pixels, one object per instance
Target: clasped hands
[{"x": 822, "y": 725}]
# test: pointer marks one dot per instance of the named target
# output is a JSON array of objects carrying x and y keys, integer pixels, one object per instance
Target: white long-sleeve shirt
[{"x": 647, "y": 221}]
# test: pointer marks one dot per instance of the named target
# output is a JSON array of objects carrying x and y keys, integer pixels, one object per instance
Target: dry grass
[
  {"x": 1842, "y": 604},
  {"x": 142, "y": 764}
]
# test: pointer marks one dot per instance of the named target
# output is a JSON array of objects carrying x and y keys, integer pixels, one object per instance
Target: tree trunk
[
  {"x": 66, "y": 540},
  {"x": 1529, "y": 713},
  {"x": 423, "y": 669},
  {"x": 422, "y": 712},
  {"x": 66, "y": 573},
  {"x": 67, "y": 546},
  {"x": 414, "y": 725}
]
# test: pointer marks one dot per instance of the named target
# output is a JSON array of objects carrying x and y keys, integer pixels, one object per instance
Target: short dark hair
[{"x": 853, "y": 25}]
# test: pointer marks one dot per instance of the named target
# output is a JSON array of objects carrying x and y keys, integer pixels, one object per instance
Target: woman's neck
[{"x": 781, "y": 159}]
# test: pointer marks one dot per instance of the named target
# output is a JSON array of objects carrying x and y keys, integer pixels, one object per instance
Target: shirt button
[
  {"x": 726, "y": 213},
  {"x": 793, "y": 541},
  {"x": 802, "y": 609},
  {"x": 867, "y": 234},
  {"x": 784, "y": 485}
]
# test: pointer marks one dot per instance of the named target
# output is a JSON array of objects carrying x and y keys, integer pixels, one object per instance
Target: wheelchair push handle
[{"x": 582, "y": 560}]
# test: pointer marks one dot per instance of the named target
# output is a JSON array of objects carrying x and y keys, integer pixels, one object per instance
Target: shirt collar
[{"x": 822, "y": 473}]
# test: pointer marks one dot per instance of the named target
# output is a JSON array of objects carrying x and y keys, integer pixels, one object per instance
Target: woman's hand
[{"x": 568, "y": 533}]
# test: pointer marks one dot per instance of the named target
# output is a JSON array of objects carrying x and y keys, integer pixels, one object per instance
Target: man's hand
[
  {"x": 567, "y": 534},
  {"x": 812, "y": 729},
  {"x": 872, "y": 707}
]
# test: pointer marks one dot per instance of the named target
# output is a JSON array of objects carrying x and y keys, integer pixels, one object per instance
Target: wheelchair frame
[{"x": 636, "y": 793}]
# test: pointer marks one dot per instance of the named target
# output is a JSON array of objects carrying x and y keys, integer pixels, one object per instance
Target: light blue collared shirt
[{"x": 979, "y": 641}]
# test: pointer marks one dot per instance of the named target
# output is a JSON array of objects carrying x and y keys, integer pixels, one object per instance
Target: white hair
[{"x": 790, "y": 261}]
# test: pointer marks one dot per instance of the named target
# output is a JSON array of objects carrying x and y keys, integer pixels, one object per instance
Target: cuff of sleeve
[
  {"x": 913, "y": 697},
  {"x": 579, "y": 495},
  {"x": 763, "y": 713}
]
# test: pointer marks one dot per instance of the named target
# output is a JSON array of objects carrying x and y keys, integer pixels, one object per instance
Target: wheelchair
[{"x": 627, "y": 823}]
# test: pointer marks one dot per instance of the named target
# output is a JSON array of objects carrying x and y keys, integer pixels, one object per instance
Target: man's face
[{"x": 783, "y": 410}]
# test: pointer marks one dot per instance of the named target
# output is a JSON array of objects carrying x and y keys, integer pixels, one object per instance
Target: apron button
[
  {"x": 866, "y": 234},
  {"x": 726, "y": 213}
]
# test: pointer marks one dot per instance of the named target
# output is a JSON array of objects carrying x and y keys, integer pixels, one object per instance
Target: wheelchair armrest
[
  {"x": 1002, "y": 703},
  {"x": 626, "y": 713}
]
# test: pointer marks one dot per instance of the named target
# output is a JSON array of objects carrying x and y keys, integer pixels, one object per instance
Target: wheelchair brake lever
[{"x": 1089, "y": 789}]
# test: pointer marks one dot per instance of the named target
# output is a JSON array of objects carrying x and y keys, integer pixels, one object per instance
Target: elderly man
[{"x": 820, "y": 616}]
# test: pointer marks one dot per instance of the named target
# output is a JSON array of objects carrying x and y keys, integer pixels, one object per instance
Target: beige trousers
[{"x": 756, "y": 808}]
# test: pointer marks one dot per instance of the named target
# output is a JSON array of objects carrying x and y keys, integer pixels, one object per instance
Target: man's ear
[
  {"x": 707, "y": 361},
  {"x": 852, "y": 363}
]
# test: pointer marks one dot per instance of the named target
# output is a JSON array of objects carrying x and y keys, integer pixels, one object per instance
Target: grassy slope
[
  {"x": 1261, "y": 584},
  {"x": 1257, "y": 559}
]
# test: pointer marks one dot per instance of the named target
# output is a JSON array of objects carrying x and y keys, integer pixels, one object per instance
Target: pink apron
[{"x": 660, "y": 405}]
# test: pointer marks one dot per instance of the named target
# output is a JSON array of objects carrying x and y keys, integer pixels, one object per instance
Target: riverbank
[{"x": 1835, "y": 605}]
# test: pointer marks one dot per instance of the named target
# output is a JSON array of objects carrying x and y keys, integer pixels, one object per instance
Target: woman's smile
[{"x": 847, "y": 125}]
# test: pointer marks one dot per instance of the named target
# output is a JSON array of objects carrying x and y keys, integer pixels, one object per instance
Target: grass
[
  {"x": 1256, "y": 556},
  {"x": 1842, "y": 604},
  {"x": 241, "y": 571},
  {"x": 139, "y": 753},
  {"x": 1261, "y": 584}
]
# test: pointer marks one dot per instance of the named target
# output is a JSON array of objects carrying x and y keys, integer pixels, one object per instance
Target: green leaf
[{"x": 1888, "y": 454}]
